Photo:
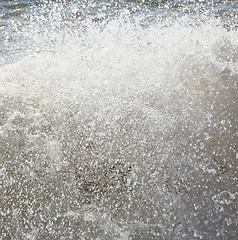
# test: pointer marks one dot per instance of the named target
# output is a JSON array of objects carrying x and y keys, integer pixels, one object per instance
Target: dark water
[{"x": 118, "y": 120}]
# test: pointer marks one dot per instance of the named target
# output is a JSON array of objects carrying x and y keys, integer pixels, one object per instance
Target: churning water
[{"x": 118, "y": 119}]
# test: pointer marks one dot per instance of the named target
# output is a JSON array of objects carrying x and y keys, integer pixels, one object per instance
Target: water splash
[{"x": 119, "y": 127}]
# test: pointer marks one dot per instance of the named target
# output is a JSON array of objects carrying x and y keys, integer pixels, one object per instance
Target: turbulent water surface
[{"x": 118, "y": 119}]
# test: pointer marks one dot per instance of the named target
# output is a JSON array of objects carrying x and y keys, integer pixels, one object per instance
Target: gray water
[{"x": 118, "y": 120}]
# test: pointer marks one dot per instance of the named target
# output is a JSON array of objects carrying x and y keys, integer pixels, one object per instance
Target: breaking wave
[{"x": 119, "y": 127}]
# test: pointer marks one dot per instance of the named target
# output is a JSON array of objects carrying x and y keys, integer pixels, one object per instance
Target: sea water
[{"x": 118, "y": 119}]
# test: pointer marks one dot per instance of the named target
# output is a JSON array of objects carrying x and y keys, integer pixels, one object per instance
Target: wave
[{"x": 119, "y": 129}]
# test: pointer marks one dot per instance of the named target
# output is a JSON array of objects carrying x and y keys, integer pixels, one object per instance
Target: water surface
[{"x": 118, "y": 119}]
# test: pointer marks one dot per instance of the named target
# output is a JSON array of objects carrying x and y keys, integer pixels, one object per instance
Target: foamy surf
[{"x": 122, "y": 128}]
